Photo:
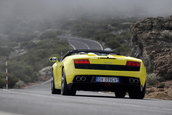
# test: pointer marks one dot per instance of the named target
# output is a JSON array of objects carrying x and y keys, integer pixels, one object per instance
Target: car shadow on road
[
  {"x": 100, "y": 96},
  {"x": 104, "y": 96}
]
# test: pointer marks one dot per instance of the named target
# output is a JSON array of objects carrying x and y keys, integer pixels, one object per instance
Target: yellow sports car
[{"x": 98, "y": 70}]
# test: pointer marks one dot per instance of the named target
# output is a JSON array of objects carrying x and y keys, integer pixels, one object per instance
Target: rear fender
[
  {"x": 68, "y": 67},
  {"x": 143, "y": 75},
  {"x": 54, "y": 72}
]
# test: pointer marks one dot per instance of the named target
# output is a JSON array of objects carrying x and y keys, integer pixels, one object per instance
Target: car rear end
[{"x": 105, "y": 73}]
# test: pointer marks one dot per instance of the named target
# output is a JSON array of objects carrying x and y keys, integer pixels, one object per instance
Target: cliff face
[{"x": 151, "y": 40}]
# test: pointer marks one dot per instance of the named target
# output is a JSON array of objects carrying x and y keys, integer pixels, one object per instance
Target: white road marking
[
  {"x": 80, "y": 42},
  {"x": 86, "y": 45},
  {"x": 39, "y": 84},
  {"x": 91, "y": 41},
  {"x": 7, "y": 113},
  {"x": 46, "y": 82},
  {"x": 72, "y": 46},
  {"x": 28, "y": 93},
  {"x": 96, "y": 42},
  {"x": 67, "y": 37}
]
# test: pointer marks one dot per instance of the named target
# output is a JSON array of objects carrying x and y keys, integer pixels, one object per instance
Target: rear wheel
[
  {"x": 65, "y": 90},
  {"x": 53, "y": 90},
  {"x": 137, "y": 93},
  {"x": 120, "y": 93}
]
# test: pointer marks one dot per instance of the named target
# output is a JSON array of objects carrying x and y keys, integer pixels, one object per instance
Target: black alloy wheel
[
  {"x": 137, "y": 93},
  {"x": 53, "y": 90},
  {"x": 65, "y": 90}
]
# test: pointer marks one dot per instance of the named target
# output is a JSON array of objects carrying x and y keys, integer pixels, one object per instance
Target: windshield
[{"x": 97, "y": 52}]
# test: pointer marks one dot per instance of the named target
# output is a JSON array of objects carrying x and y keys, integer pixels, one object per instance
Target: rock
[
  {"x": 161, "y": 85},
  {"x": 151, "y": 40},
  {"x": 169, "y": 92},
  {"x": 160, "y": 89},
  {"x": 45, "y": 73},
  {"x": 150, "y": 90},
  {"x": 160, "y": 93},
  {"x": 19, "y": 84}
]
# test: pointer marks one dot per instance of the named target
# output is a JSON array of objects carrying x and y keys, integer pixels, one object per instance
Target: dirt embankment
[
  {"x": 151, "y": 40},
  {"x": 162, "y": 90}
]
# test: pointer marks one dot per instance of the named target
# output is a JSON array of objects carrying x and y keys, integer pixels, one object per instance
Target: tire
[
  {"x": 120, "y": 94},
  {"x": 65, "y": 90},
  {"x": 137, "y": 93},
  {"x": 53, "y": 90}
]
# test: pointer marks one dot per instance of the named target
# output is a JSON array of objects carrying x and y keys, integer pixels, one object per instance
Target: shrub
[
  {"x": 152, "y": 79},
  {"x": 167, "y": 35},
  {"x": 19, "y": 84},
  {"x": 11, "y": 80},
  {"x": 112, "y": 33},
  {"x": 2, "y": 82}
]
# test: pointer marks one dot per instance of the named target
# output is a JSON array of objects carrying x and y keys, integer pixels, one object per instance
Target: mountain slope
[
  {"x": 151, "y": 40},
  {"x": 28, "y": 54}
]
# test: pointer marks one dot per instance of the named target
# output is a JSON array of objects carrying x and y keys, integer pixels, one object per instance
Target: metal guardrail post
[{"x": 6, "y": 69}]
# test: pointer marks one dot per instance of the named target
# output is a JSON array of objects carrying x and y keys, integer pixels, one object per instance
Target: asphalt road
[
  {"x": 78, "y": 43},
  {"x": 41, "y": 102},
  {"x": 37, "y": 99}
]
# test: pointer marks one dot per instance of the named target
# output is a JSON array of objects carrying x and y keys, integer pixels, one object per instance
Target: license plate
[{"x": 107, "y": 79}]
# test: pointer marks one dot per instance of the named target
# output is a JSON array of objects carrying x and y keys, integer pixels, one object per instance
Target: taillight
[
  {"x": 133, "y": 64},
  {"x": 81, "y": 61}
]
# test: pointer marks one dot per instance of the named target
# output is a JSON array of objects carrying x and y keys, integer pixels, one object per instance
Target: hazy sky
[
  {"x": 59, "y": 7},
  {"x": 28, "y": 10}
]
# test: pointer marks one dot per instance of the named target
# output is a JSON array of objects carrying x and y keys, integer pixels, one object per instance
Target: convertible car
[{"x": 98, "y": 70}]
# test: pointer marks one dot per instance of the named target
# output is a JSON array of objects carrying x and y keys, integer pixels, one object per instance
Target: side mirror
[{"x": 53, "y": 59}]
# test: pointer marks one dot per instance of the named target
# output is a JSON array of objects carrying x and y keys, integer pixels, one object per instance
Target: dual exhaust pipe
[
  {"x": 81, "y": 78},
  {"x": 133, "y": 81}
]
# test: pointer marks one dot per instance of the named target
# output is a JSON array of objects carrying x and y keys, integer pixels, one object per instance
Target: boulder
[
  {"x": 45, "y": 73},
  {"x": 151, "y": 41}
]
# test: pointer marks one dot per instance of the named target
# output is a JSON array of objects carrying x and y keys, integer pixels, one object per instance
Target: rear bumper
[
  {"x": 90, "y": 84},
  {"x": 71, "y": 72}
]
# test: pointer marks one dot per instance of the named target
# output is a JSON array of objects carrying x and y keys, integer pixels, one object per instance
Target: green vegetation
[
  {"x": 112, "y": 33},
  {"x": 29, "y": 51},
  {"x": 36, "y": 58},
  {"x": 2, "y": 80},
  {"x": 11, "y": 82},
  {"x": 152, "y": 79},
  {"x": 25, "y": 66}
]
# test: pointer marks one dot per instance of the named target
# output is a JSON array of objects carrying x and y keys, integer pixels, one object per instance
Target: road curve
[
  {"x": 80, "y": 43},
  {"x": 37, "y": 99}
]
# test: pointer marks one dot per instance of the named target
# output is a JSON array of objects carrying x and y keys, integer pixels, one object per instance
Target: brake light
[
  {"x": 81, "y": 61},
  {"x": 133, "y": 64}
]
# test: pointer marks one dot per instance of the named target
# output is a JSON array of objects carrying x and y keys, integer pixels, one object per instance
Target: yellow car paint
[{"x": 70, "y": 71}]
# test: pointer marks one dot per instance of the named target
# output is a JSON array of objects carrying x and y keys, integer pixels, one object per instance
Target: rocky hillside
[{"x": 151, "y": 40}]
